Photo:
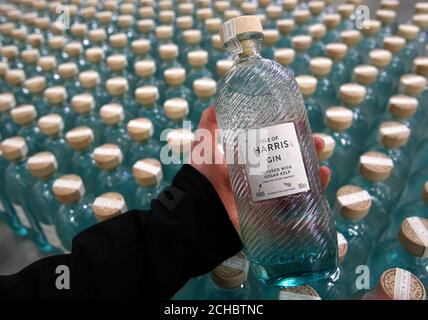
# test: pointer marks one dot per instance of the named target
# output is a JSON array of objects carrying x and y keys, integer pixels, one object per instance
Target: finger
[
  {"x": 325, "y": 175},
  {"x": 319, "y": 145},
  {"x": 208, "y": 119}
]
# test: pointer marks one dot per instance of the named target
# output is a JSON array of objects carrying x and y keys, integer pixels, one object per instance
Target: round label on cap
[
  {"x": 353, "y": 202},
  {"x": 400, "y": 284},
  {"x": 298, "y": 293},
  {"x": 109, "y": 205},
  {"x": 148, "y": 172},
  {"x": 414, "y": 236}
]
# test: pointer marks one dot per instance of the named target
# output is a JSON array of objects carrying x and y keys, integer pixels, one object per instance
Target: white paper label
[
  {"x": 151, "y": 169},
  {"x": 421, "y": 232},
  {"x": 352, "y": 198},
  {"x": 22, "y": 216},
  {"x": 402, "y": 284},
  {"x": 229, "y": 36},
  {"x": 376, "y": 161},
  {"x": 341, "y": 241},
  {"x": 285, "y": 295},
  {"x": 51, "y": 235},
  {"x": 2, "y": 208},
  {"x": 273, "y": 161},
  {"x": 111, "y": 204},
  {"x": 236, "y": 263}
]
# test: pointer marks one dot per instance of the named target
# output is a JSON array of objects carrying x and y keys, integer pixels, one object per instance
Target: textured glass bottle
[{"x": 260, "y": 93}]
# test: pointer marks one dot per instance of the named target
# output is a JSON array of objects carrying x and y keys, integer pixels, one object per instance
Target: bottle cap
[
  {"x": 393, "y": 134},
  {"x": 385, "y": 16},
  {"x": 145, "y": 68},
  {"x": 425, "y": 194},
  {"x": 400, "y": 284},
  {"x": 301, "y": 16},
  {"x": 336, "y": 51},
  {"x": 371, "y": 27},
  {"x": 329, "y": 146},
  {"x": 412, "y": 84},
  {"x": 403, "y": 106},
  {"x": 117, "y": 62},
  {"x": 301, "y": 43},
  {"x": 351, "y": 37},
  {"x": 298, "y": 293},
  {"x": 140, "y": 129},
  {"x": 342, "y": 246},
  {"x": 112, "y": 113},
  {"x": 168, "y": 51},
  {"x": 146, "y": 25},
  {"x": 117, "y": 86},
  {"x": 307, "y": 84},
  {"x": 164, "y": 32},
  {"x": 232, "y": 273},
  {"x": 56, "y": 42},
  {"x": 47, "y": 63},
  {"x": 43, "y": 23},
  {"x": 127, "y": 8},
  {"x": 204, "y": 88},
  {"x": 271, "y": 36},
  {"x": 230, "y": 14},
  {"x": 320, "y": 66},
  {"x": 168, "y": 4},
  {"x": 30, "y": 56},
  {"x": 216, "y": 42},
  {"x": 14, "y": 148},
  {"x": 36, "y": 84},
  {"x": 394, "y": 44},
  {"x": 24, "y": 114},
  {"x": 413, "y": 236},
  {"x": 284, "y": 56},
  {"x": 179, "y": 140},
  {"x": 352, "y": 94},
  {"x": 73, "y": 49},
  {"x": 89, "y": 79},
  {"x": 15, "y": 77},
  {"x": 107, "y": 156},
  {"x": 166, "y": 16},
  {"x": 118, "y": 40},
  {"x": 175, "y": 76},
  {"x": 421, "y": 7},
  {"x": 88, "y": 13},
  {"x": 185, "y": 9},
  {"x": 353, "y": 203},
  {"x": 197, "y": 58},
  {"x": 240, "y": 25},
  {"x": 332, "y": 20},
  {"x": 316, "y": 7},
  {"x": 421, "y": 20},
  {"x": 68, "y": 188},
  {"x": 317, "y": 31},
  {"x": 51, "y": 124},
  {"x": 221, "y": 6},
  {"x": 390, "y": 4},
  {"x": 19, "y": 35},
  {"x": 126, "y": 21},
  {"x": 223, "y": 67},
  {"x": 30, "y": 17},
  {"x": 141, "y": 46},
  {"x": 35, "y": 40},
  {"x": 147, "y": 172},
  {"x": 176, "y": 108},
  {"x": 55, "y": 95},
  {"x": 4, "y": 67},
  {"x": 94, "y": 55},
  {"x": 285, "y": 26},
  {"x": 274, "y": 12},
  {"x": 192, "y": 36},
  {"x": 421, "y": 66},
  {"x": 346, "y": 10},
  {"x": 365, "y": 74},
  {"x": 83, "y": 103},
  {"x": 338, "y": 118},
  {"x": 264, "y": 3},
  {"x": 104, "y": 17},
  {"x": 109, "y": 205},
  {"x": 212, "y": 24},
  {"x": 289, "y": 5},
  {"x": 42, "y": 164},
  {"x": 408, "y": 31},
  {"x": 146, "y": 12},
  {"x": 147, "y": 95},
  {"x": 67, "y": 70},
  {"x": 375, "y": 166},
  {"x": 97, "y": 35},
  {"x": 184, "y": 22},
  {"x": 80, "y": 138},
  {"x": 380, "y": 58}
]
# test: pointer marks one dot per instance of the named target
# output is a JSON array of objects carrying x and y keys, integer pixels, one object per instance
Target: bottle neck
[{"x": 250, "y": 44}]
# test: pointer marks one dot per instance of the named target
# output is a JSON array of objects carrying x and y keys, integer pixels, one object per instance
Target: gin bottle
[{"x": 260, "y": 97}]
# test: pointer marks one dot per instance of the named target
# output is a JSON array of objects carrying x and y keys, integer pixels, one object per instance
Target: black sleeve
[{"x": 139, "y": 254}]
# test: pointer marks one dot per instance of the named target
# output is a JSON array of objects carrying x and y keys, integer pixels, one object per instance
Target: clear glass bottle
[
  {"x": 271, "y": 38},
  {"x": 285, "y": 27},
  {"x": 285, "y": 57},
  {"x": 421, "y": 20},
  {"x": 95, "y": 58},
  {"x": 56, "y": 98},
  {"x": 120, "y": 94},
  {"x": 298, "y": 293},
  {"x": 168, "y": 54},
  {"x": 175, "y": 79},
  {"x": 317, "y": 33},
  {"x": 146, "y": 29},
  {"x": 301, "y": 19},
  {"x": 367, "y": 76},
  {"x": 35, "y": 87},
  {"x": 145, "y": 71},
  {"x": 45, "y": 68},
  {"x": 325, "y": 93},
  {"x": 183, "y": 23},
  {"x": 8, "y": 128},
  {"x": 387, "y": 19},
  {"x": 269, "y": 97},
  {"x": 29, "y": 58},
  {"x": 370, "y": 39},
  {"x": 79, "y": 33},
  {"x": 74, "y": 52},
  {"x": 301, "y": 45},
  {"x": 410, "y": 52},
  {"x": 212, "y": 28},
  {"x": 125, "y": 23},
  {"x": 346, "y": 11},
  {"x": 197, "y": 61},
  {"x": 354, "y": 57},
  {"x": 118, "y": 67},
  {"x": 288, "y": 7},
  {"x": 68, "y": 72},
  {"x": 164, "y": 35},
  {"x": 332, "y": 23},
  {"x": 91, "y": 84},
  {"x": 141, "y": 50},
  {"x": 217, "y": 53},
  {"x": 316, "y": 8},
  {"x": 192, "y": 39},
  {"x": 339, "y": 73},
  {"x": 14, "y": 84},
  {"x": 98, "y": 38},
  {"x": 11, "y": 55},
  {"x": 204, "y": 89}
]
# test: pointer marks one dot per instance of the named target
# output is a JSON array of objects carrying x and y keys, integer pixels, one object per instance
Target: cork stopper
[
  {"x": 338, "y": 118},
  {"x": 204, "y": 88},
  {"x": 95, "y": 54},
  {"x": 97, "y": 35},
  {"x": 342, "y": 246},
  {"x": 375, "y": 166},
  {"x": 166, "y": 17},
  {"x": 9, "y": 52},
  {"x": 394, "y": 44},
  {"x": 353, "y": 203},
  {"x": 192, "y": 36},
  {"x": 317, "y": 31},
  {"x": 4, "y": 67},
  {"x": 316, "y": 7},
  {"x": 386, "y": 17},
  {"x": 289, "y": 5},
  {"x": 14, "y": 148},
  {"x": 146, "y": 25},
  {"x": 80, "y": 138},
  {"x": 212, "y": 25},
  {"x": 47, "y": 63},
  {"x": 403, "y": 106},
  {"x": 346, "y": 10},
  {"x": 88, "y": 13},
  {"x": 352, "y": 94},
  {"x": 298, "y": 293},
  {"x": 35, "y": 40},
  {"x": 408, "y": 31},
  {"x": 73, "y": 49},
  {"x": 51, "y": 124},
  {"x": 24, "y": 114},
  {"x": 109, "y": 205},
  {"x": 67, "y": 70},
  {"x": 83, "y": 103},
  {"x": 421, "y": 7},
  {"x": 30, "y": 56},
  {"x": 249, "y": 8},
  {"x": 223, "y": 67},
  {"x": 421, "y": 66},
  {"x": 68, "y": 188},
  {"x": 145, "y": 68},
  {"x": 336, "y": 51},
  {"x": 264, "y": 3},
  {"x": 371, "y": 27},
  {"x": 140, "y": 129},
  {"x": 221, "y": 6},
  {"x": 242, "y": 25},
  {"x": 307, "y": 85},
  {"x": 284, "y": 56},
  {"x": 390, "y": 4},
  {"x": 332, "y": 20},
  {"x": 176, "y": 108},
  {"x": 274, "y": 12},
  {"x": 168, "y": 4},
  {"x": 164, "y": 32},
  {"x": 146, "y": 12},
  {"x": 184, "y": 22},
  {"x": 55, "y": 95},
  {"x": 127, "y": 8},
  {"x": 107, "y": 156},
  {"x": 56, "y": 42},
  {"x": 365, "y": 74},
  {"x": 412, "y": 84},
  {"x": 35, "y": 84},
  {"x": 43, "y": 23},
  {"x": 301, "y": 16},
  {"x": 89, "y": 79},
  {"x": 320, "y": 66},
  {"x": 179, "y": 140},
  {"x": 168, "y": 51},
  {"x": 400, "y": 284},
  {"x": 15, "y": 77},
  {"x": 271, "y": 37},
  {"x": 285, "y": 26},
  {"x": 104, "y": 17},
  {"x": 232, "y": 273},
  {"x": 301, "y": 43},
  {"x": 185, "y": 9},
  {"x": 117, "y": 86},
  {"x": 141, "y": 46},
  {"x": 413, "y": 236},
  {"x": 175, "y": 76},
  {"x": 117, "y": 62},
  {"x": 231, "y": 14},
  {"x": 329, "y": 146},
  {"x": 393, "y": 134},
  {"x": 351, "y": 37},
  {"x": 42, "y": 164},
  {"x": 421, "y": 20},
  {"x": 125, "y": 21},
  {"x": 118, "y": 40},
  {"x": 380, "y": 58},
  {"x": 147, "y": 172},
  {"x": 197, "y": 58},
  {"x": 112, "y": 114},
  {"x": 19, "y": 35},
  {"x": 147, "y": 95}
]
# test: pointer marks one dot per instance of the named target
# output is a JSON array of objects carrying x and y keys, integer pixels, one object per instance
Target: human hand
[{"x": 217, "y": 174}]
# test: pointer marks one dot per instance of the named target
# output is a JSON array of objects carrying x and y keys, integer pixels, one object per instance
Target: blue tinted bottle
[
  {"x": 325, "y": 93},
  {"x": 204, "y": 90},
  {"x": 115, "y": 127},
  {"x": 317, "y": 32},
  {"x": 197, "y": 61},
  {"x": 301, "y": 45},
  {"x": 56, "y": 98}
]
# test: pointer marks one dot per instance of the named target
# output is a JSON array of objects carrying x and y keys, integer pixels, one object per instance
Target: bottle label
[
  {"x": 421, "y": 232},
  {"x": 22, "y": 216},
  {"x": 402, "y": 284},
  {"x": 229, "y": 37},
  {"x": 352, "y": 199},
  {"x": 284, "y": 295},
  {"x": 2, "y": 208},
  {"x": 273, "y": 161},
  {"x": 51, "y": 235}
]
